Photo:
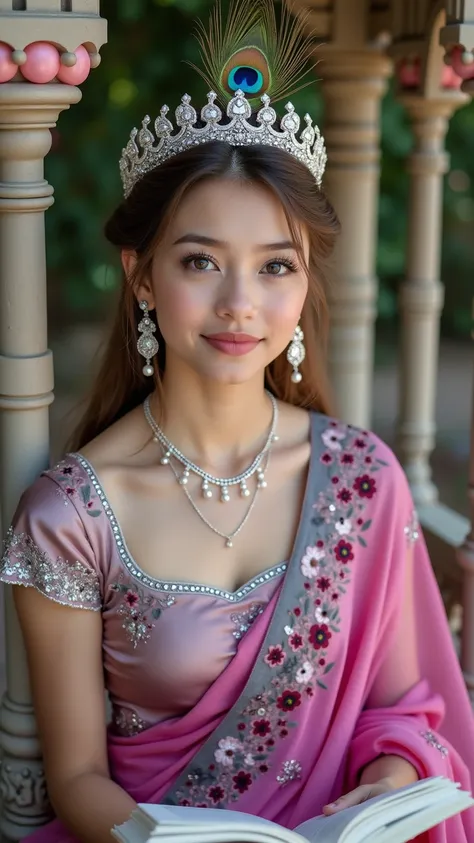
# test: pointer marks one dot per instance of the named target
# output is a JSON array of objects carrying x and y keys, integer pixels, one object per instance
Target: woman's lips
[{"x": 236, "y": 345}]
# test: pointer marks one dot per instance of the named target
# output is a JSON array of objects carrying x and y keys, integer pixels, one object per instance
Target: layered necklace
[{"x": 211, "y": 485}]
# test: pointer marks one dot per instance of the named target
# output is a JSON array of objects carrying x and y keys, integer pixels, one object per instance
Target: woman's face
[{"x": 227, "y": 283}]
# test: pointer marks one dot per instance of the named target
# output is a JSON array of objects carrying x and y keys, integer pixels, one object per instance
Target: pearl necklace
[{"x": 258, "y": 466}]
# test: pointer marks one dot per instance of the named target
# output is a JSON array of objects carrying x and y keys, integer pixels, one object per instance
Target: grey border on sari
[{"x": 261, "y": 674}]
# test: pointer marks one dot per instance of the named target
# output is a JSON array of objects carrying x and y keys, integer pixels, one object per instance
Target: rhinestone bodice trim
[{"x": 168, "y": 586}]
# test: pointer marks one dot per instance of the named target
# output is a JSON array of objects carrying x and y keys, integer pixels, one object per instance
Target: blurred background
[{"x": 144, "y": 66}]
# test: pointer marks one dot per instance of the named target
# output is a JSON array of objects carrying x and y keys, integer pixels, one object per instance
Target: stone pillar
[
  {"x": 353, "y": 84},
  {"x": 74, "y": 32},
  {"x": 27, "y": 112},
  {"x": 421, "y": 296}
]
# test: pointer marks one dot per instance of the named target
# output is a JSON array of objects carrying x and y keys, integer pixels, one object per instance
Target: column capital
[
  {"x": 354, "y": 67},
  {"x": 421, "y": 108},
  {"x": 45, "y": 20}
]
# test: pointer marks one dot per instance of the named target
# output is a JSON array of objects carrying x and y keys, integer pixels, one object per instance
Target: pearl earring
[
  {"x": 296, "y": 354},
  {"x": 147, "y": 344}
]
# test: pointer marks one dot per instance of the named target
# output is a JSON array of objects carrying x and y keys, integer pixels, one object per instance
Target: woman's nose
[{"x": 236, "y": 301}]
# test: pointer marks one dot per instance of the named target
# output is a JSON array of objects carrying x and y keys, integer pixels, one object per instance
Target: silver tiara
[{"x": 146, "y": 150}]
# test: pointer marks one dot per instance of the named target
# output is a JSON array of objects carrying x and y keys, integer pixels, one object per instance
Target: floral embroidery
[
  {"x": 70, "y": 583},
  {"x": 75, "y": 487},
  {"x": 139, "y": 609},
  {"x": 127, "y": 722},
  {"x": 300, "y": 663},
  {"x": 412, "y": 529},
  {"x": 244, "y": 620},
  {"x": 431, "y": 738}
]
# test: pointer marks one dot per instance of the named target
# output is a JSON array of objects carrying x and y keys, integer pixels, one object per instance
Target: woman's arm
[{"x": 64, "y": 648}]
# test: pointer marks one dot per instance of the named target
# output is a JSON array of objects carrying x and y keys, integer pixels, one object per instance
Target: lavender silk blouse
[{"x": 164, "y": 643}]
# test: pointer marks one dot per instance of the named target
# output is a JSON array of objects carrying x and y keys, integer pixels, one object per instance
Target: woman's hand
[
  {"x": 360, "y": 794},
  {"x": 385, "y": 773}
]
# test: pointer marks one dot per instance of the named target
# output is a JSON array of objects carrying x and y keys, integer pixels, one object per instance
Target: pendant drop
[
  {"x": 165, "y": 460},
  {"x": 228, "y": 543},
  {"x": 184, "y": 477},
  {"x": 206, "y": 491},
  {"x": 243, "y": 489},
  {"x": 262, "y": 483},
  {"x": 225, "y": 497}
]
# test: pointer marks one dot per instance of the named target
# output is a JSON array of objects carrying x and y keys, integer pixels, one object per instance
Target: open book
[{"x": 395, "y": 817}]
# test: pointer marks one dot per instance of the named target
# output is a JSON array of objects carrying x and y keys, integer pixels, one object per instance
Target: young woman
[{"x": 243, "y": 574}]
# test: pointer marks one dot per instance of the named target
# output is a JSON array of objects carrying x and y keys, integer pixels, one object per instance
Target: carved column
[
  {"x": 353, "y": 84},
  {"x": 421, "y": 296},
  {"x": 27, "y": 113}
]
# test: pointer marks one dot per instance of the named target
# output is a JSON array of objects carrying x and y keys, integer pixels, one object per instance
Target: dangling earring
[
  {"x": 147, "y": 344},
  {"x": 296, "y": 354}
]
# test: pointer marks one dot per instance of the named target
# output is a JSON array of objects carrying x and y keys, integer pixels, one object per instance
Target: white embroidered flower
[
  {"x": 309, "y": 562},
  {"x": 249, "y": 761},
  {"x": 343, "y": 526},
  {"x": 227, "y": 747},
  {"x": 304, "y": 674},
  {"x": 320, "y": 615},
  {"x": 332, "y": 438},
  {"x": 288, "y": 630}
]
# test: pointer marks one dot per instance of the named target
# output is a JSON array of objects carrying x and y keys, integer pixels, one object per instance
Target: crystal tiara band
[{"x": 145, "y": 152}]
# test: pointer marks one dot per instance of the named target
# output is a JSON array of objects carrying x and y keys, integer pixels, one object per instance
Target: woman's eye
[
  {"x": 278, "y": 268},
  {"x": 200, "y": 263}
]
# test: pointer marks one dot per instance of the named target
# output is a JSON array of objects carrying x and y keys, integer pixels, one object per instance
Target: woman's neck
[{"x": 221, "y": 427}]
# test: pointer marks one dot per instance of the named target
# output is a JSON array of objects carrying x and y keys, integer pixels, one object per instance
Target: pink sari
[{"x": 351, "y": 659}]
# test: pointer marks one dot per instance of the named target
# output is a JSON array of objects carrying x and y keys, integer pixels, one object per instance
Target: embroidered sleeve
[{"x": 47, "y": 548}]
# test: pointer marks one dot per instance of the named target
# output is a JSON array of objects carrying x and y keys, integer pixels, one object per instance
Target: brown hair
[{"x": 138, "y": 224}]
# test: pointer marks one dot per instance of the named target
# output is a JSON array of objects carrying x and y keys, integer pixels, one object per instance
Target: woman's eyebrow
[{"x": 211, "y": 241}]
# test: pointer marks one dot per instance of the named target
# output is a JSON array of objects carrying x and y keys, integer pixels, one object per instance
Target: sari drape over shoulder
[{"x": 347, "y": 657}]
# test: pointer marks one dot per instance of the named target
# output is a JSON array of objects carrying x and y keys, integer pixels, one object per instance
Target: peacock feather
[{"x": 255, "y": 52}]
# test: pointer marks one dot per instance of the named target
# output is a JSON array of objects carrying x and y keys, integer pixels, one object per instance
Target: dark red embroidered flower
[
  {"x": 307, "y": 586},
  {"x": 343, "y": 551},
  {"x": 365, "y": 486},
  {"x": 295, "y": 641},
  {"x": 360, "y": 521},
  {"x": 70, "y": 491},
  {"x": 297, "y": 612},
  {"x": 270, "y": 742},
  {"x": 322, "y": 662},
  {"x": 334, "y": 480},
  {"x": 260, "y": 748},
  {"x": 216, "y": 793},
  {"x": 67, "y": 470},
  {"x": 323, "y": 583},
  {"x": 368, "y": 460},
  {"x": 281, "y": 722},
  {"x": 131, "y": 599},
  {"x": 360, "y": 443},
  {"x": 201, "y": 805},
  {"x": 319, "y": 636},
  {"x": 344, "y": 495},
  {"x": 347, "y": 459},
  {"x": 335, "y": 596},
  {"x": 242, "y": 781},
  {"x": 263, "y": 768},
  {"x": 326, "y": 458},
  {"x": 283, "y": 733},
  {"x": 319, "y": 543},
  {"x": 275, "y": 656},
  {"x": 317, "y": 602},
  {"x": 90, "y": 504},
  {"x": 309, "y": 692},
  {"x": 241, "y": 727},
  {"x": 342, "y": 575},
  {"x": 212, "y": 766},
  {"x": 185, "y": 803},
  {"x": 289, "y": 700},
  {"x": 261, "y": 728}
]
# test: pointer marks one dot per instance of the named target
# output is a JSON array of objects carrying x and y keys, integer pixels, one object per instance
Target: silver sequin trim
[
  {"x": 412, "y": 529},
  {"x": 244, "y": 620},
  {"x": 290, "y": 771},
  {"x": 167, "y": 585},
  {"x": 433, "y": 741},
  {"x": 127, "y": 722},
  {"x": 68, "y": 583}
]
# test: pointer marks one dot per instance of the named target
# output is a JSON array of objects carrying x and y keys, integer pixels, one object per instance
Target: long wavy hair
[{"x": 139, "y": 223}]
